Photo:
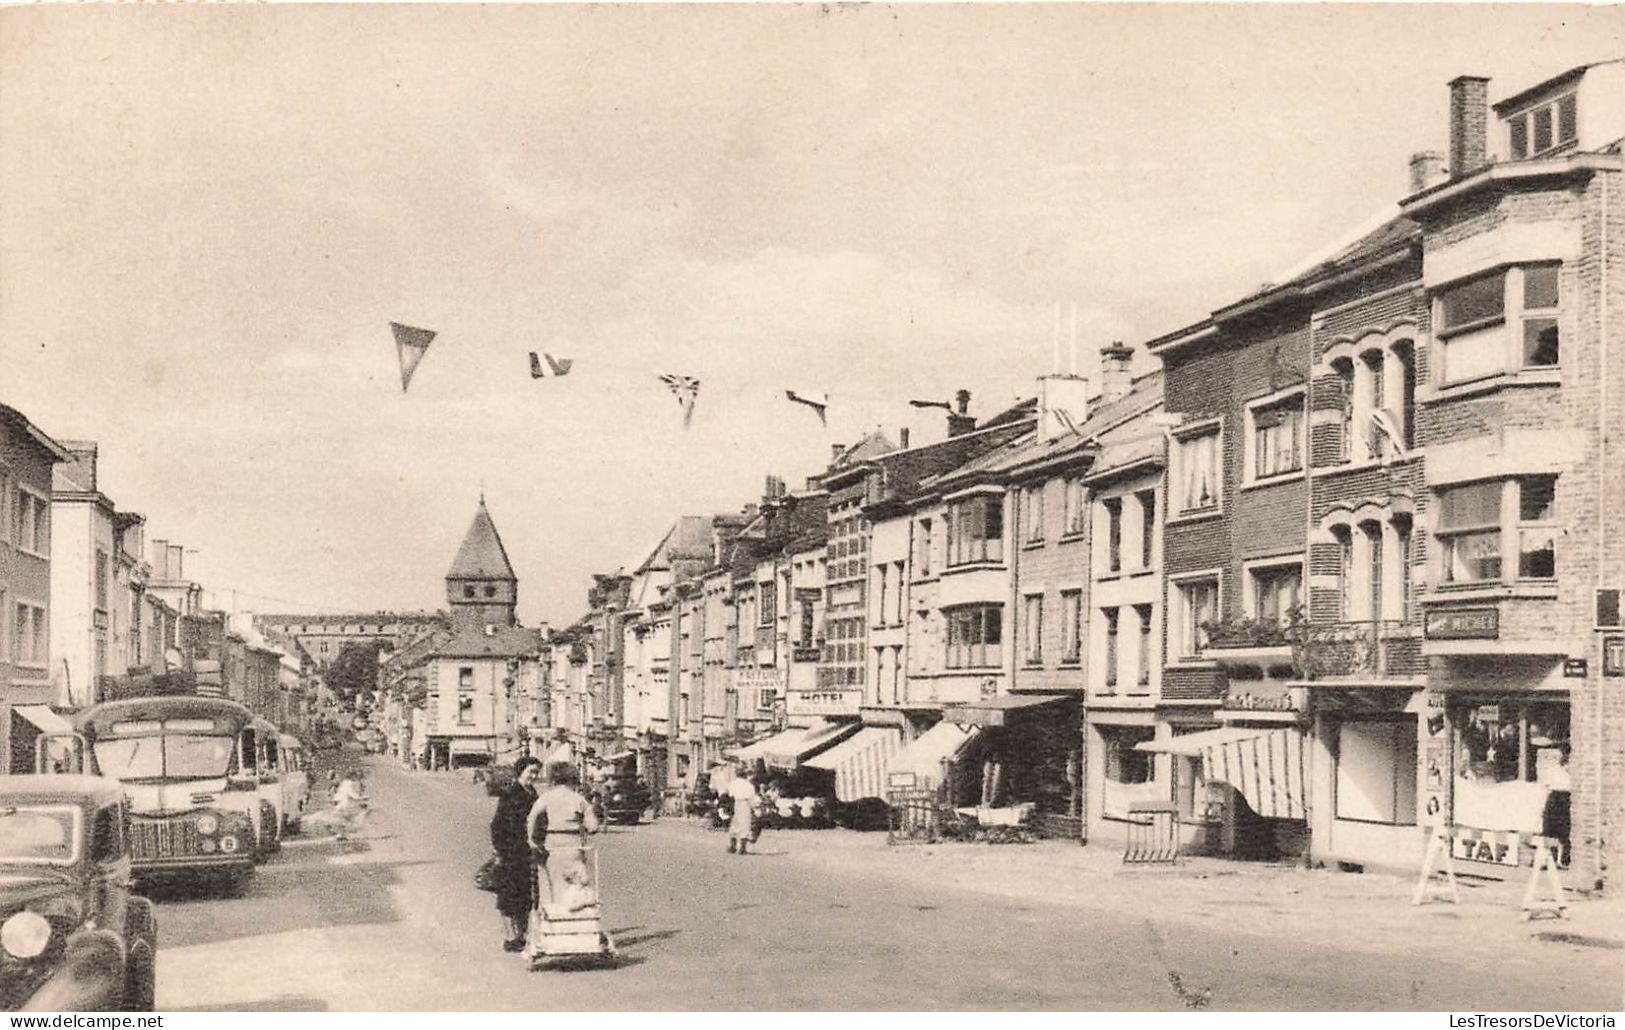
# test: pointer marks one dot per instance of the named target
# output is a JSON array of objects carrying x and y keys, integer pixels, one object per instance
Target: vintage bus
[
  {"x": 188, "y": 766},
  {"x": 295, "y": 783}
]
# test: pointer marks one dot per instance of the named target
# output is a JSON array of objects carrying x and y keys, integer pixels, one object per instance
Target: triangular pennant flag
[
  {"x": 410, "y": 346},
  {"x": 554, "y": 366},
  {"x": 819, "y": 402},
  {"x": 686, "y": 389}
]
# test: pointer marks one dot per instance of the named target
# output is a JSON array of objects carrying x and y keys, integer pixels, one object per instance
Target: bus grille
[{"x": 163, "y": 838}]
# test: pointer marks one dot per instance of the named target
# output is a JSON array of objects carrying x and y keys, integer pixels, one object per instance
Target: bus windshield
[{"x": 173, "y": 756}]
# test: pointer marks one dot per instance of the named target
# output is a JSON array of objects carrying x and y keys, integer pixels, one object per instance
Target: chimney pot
[
  {"x": 1469, "y": 115},
  {"x": 902, "y": 437},
  {"x": 835, "y": 450},
  {"x": 962, "y": 398}
]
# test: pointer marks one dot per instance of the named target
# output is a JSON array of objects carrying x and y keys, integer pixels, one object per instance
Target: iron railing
[{"x": 1387, "y": 648}]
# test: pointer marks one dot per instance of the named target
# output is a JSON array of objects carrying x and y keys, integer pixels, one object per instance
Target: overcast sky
[{"x": 209, "y": 215}]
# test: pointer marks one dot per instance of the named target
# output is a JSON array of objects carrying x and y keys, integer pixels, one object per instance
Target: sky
[{"x": 209, "y": 216}]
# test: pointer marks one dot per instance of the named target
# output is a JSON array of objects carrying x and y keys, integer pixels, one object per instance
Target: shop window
[
  {"x": 1376, "y": 771},
  {"x": 977, "y": 531},
  {"x": 975, "y": 636},
  {"x": 1123, "y": 763},
  {"x": 1511, "y": 766},
  {"x": 1197, "y": 474}
]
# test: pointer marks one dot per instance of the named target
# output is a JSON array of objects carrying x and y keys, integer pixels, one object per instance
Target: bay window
[
  {"x": 1197, "y": 472},
  {"x": 1479, "y": 523},
  {"x": 975, "y": 636},
  {"x": 976, "y": 530},
  {"x": 1499, "y": 322}
]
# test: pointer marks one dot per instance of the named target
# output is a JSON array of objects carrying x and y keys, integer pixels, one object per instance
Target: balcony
[
  {"x": 1261, "y": 644},
  {"x": 1362, "y": 651}
]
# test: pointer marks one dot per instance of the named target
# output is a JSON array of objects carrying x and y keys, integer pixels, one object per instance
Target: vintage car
[
  {"x": 72, "y": 935},
  {"x": 624, "y": 799}
]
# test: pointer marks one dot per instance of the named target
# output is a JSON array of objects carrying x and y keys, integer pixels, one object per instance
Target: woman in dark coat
[{"x": 516, "y": 875}]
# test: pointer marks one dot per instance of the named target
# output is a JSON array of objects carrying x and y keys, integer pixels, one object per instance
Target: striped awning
[
  {"x": 804, "y": 745},
  {"x": 925, "y": 756},
  {"x": 782, "y": 741},
  {"x": 860, "y": 763},
  {"x": 1268, "y": 767}
]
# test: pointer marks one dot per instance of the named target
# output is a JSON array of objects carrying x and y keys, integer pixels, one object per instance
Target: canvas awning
[
  {"x": 924, "y": 757},
  {"x": 995, "y": 711},
  {"x": 1268, "y": 767},
  {"x": 781, "y": 741},
  {"x": 43, "y": 718},
  {"x": 794, "y": 752},
  {"x": 860, "y": 762}
]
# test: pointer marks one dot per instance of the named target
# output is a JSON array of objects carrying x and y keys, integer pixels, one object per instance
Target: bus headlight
[
  {"x": 207, "y": 824},
  {"x": 25, "y": 934},
  {"x": 228, "y": 845}
]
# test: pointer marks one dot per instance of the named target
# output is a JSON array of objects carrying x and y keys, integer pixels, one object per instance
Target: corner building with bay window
[{"x": 1415, "y": 443}]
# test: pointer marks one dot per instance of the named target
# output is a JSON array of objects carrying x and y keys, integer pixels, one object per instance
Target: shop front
[
  {"x": 1028, "y": 759},
  {"x": 1378, "y": 771}
]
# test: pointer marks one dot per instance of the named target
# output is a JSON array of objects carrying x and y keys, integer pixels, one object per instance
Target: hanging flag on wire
[
  {"x": 410, "y": 346},
  {"x": 819, "y": 402},
  {"x": 554, "y": 366},
  {"x": 686, "y": 389}
]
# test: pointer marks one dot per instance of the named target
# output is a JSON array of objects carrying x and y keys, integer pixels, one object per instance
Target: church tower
[{"x": 481, "y": 588}]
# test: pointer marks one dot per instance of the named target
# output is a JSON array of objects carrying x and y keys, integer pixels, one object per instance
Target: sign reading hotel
[
  {"x": 1462, "y": 624},
  {"x": 829, "y": 701}
]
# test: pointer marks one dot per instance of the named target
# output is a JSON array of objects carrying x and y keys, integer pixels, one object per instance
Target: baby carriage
[{"x": 567, "y": 929}]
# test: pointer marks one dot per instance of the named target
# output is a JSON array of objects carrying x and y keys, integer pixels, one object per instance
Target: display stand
[
  {"x": 1534, "y": 902},
  {"x": 1436, "y": 860}
]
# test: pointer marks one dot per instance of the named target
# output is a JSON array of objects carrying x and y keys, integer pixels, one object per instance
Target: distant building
[{"x": 27, "y": 457}]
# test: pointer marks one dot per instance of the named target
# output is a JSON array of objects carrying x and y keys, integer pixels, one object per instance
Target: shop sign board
[
  {"x": 806, "y": 654},
  {"x": 827, "y": 701},
  {"x": 1247, "y": 696},
  {"x": 1574, "y": 668},
  {"x": 1613, "y": 656},
  {"x": 1462, "y": 624},
  {"x": 1495, "y": 847}
]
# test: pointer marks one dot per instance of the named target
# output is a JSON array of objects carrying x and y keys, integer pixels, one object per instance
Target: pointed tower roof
[{"x": 482, "y": 555}]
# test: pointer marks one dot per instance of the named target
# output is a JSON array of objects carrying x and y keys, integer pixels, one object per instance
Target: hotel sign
[
  {"x": 829, "y": 701},
  {"x": 1462, "y": 624}
]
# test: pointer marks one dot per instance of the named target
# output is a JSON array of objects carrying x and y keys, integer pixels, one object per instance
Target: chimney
[
  {"x": 961, "y": 421},
  {"x": 835, "y": 450},
  {"x": 1469, "y": 113},
  {"x": 1116, "y": 380},
  {"x": 902, "y": 437},
  {"x": 160, "y": 559},
  {"x": 1427, "y": 169},
  {"x": 80, "y": 473},
  {"x": 1063, "y": 404}
]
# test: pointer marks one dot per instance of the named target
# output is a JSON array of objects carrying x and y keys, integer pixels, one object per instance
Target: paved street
[{"x": 394, "y": 922}]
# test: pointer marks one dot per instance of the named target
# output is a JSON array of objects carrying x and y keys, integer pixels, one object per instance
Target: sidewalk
[{"x": 1363, "y": 912}]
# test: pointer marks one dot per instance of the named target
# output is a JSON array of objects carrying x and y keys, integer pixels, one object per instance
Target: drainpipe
[{"x": 1602, "y": 509}]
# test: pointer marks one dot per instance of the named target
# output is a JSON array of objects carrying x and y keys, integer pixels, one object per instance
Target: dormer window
[{"x": 1548, "y": 125}]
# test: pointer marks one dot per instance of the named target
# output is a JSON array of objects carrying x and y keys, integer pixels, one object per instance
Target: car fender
[{"x": 91, "y": 977}]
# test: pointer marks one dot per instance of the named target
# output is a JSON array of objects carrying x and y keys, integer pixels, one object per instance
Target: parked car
[
  {"x": 625, "y": 799},
  {"x": 72, "y": 935}
]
